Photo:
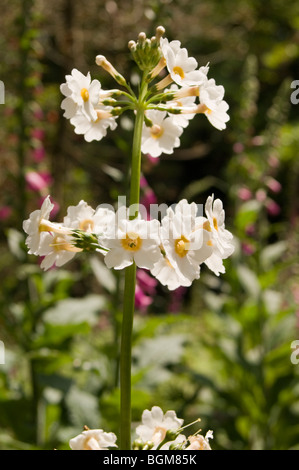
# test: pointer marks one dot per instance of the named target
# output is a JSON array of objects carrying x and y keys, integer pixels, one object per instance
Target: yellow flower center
[
  {"x": 61, "y": 244},
  {"x": 215, "y": 223},
  {"x": 132, "y": 242},
  {"x": 157, "y": 131},
  {"x": 178, "y": 71},
  {"x": 207, "y": 226},
  {"x": 181, "y": 246},
  {"x": 87, "y": 225},
  {"x": 44, "y": 226},
  {"x": 84, "y": 94},
  {"x": 202, "y": 108}
]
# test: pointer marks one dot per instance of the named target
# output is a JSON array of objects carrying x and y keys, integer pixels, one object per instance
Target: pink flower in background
[
  {"x": 152, "y": 160},
  {"x": 38, "y": 114},
  {"x": 261, "y": 195},
  {"x": 274, "y": 185},
  {"x": 142, "y": 301},
  {"x": 146, "y": 282},
  {"x": 177, "y": 297},
  {"x": 5, "y": 212},
  {"x": 257, "y": 140},
  {"x": 273, "y": 161},
  {"x": 238, "y": 147},
  {"x": 145, "y": 290},
  {"x": 38, "y": 134},
  {"x": 248, "y": 249},
  {"x": 250, "y": 230},
  {"x": 272, "y": 207},
  {"x": 38, "y": 181},
  {"x": 244, "y": 194},
  {"x": 148, "y": 198},
  {"x": 38, "y": 154},
  {"x": 143, "y": 182}
]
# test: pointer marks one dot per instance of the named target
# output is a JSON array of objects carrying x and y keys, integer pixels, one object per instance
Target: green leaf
[
  {"x": 82, "y": 408},
  {"x": 247, "y": 215},
  {"x": 249, "y": 280},
  {"x": 74, "y": 311},
  {"x": 272, "y": 253},
  {"x": 54, "y": 335},
  {"x": 103, "y": 274},
  {"x": 15, "y": 240},
  {"x": 272, "y": 301},
  {"x": 48, "y": 361}
]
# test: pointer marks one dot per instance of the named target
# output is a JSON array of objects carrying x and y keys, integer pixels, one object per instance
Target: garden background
[{"x": 219, "y": 350}]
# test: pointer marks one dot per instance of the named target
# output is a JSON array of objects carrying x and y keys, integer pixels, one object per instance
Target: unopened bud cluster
[{"x": 147, "y": 52}]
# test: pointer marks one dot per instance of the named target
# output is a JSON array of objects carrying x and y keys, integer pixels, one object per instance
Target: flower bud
[
  {"x": 85, "y": 241},
  {"x": 138, "y": 444},
  {"x": 171, "y": 435},
  {"x": 103, "y": 62},
  {"x": 146, "y": 52},
  {"x": 160, "y": 30}
]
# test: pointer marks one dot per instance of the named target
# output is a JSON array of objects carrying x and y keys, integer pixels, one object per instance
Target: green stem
[
  {"x": 125, "y": 358},
  {"x": 129, "y": 290}
]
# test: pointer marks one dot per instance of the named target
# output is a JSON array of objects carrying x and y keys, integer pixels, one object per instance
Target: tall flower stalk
[
  {"x": 130, "y": 285},
  {"x": 174, "y": 249}
]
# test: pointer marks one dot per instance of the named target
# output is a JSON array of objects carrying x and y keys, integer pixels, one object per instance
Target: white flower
[
  {"x": 57, "y": 249},
  {"x": 220, "y": 237},
  {"x": 93, "y": 439},
  {"x": 169, "y": 275},
  {"x": 50, "y": 240},
  {"x": 185, "y": 239},
  {"x": 32, "y": 225},
  {"x": 162, "y": 137},
  {"x": 80, "y": 217},
  {"x": 213, "y": 105},
  {"x": 84, "y": 217},
  {"x": 218, "y": 116},
  {"x": 96, "y": 127},
  {"x": 198, "y": 442},
  {"x": 186, "y": 102},
  {"x": 155, "y": 424},
  {"x": 182, "y": 68},
  {"x": 81, "y": 93},
  {"x": 100, "y": 222},
  {"x": 105, "y": 221},
  {"x": 135, "y": 241}
]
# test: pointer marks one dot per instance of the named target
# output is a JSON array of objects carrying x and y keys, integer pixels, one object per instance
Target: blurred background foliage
[{"x": 219, "y": 350}]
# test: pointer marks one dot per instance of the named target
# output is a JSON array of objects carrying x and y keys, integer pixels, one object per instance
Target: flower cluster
[
  {"x": 172, "y": 250},
  {"x": 169, "y": 104},
  {"x": 158, "y": 431}
]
